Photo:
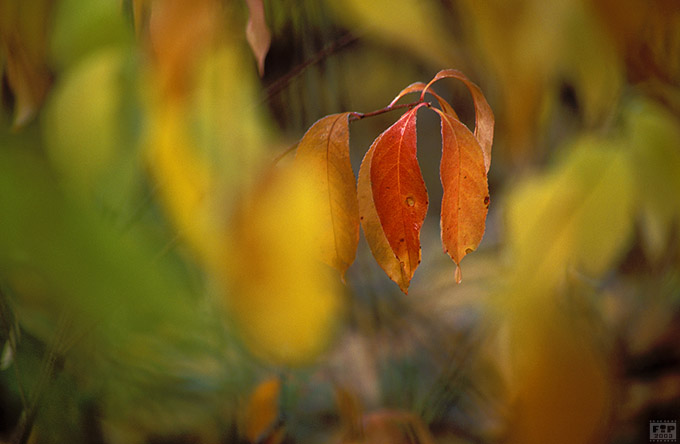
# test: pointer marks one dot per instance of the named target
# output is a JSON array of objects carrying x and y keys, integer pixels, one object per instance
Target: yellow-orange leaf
[
  {"x": 323, "y": 156},
  {"x": 261, "y": 419},
  {"x": 484, "y": 119},
  {"x": 399, "y": 192},
  {"x": 466, "y": 193}
]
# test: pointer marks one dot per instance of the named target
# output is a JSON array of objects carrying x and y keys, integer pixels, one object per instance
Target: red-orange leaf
[
  {"x": 375, "y": 236},
  {"x": 465, "y": 201},
  {"x": 323, "y": 155},
  {"x": 399, "y": 192},
  {"x": 484, "y": 119},
  {"x": 373, "y": 231}
]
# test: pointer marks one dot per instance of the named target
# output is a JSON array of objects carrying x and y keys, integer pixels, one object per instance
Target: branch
[{"x": 357, "y": 116}]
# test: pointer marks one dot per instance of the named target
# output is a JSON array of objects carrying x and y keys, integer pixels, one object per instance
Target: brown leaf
[
  {"x": 257, "y": 33},
  {"x": 484, "y": 119},
  {"x": 399, "y": 195},
  {"x": 323, "y": 155},
  {"x": 465, "y": 201}
]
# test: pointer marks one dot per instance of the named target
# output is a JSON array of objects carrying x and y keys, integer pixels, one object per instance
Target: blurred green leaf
[
  {"x": 138, "y": 337},
  {"x": 81, "y": 27},
  {"x": 578, "y": 215}
]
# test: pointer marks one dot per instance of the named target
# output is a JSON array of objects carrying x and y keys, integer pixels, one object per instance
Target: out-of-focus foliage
[
  {"x": 156, "y": 267},
  {"x": 284, "y": 298},
  {"x": 388, "y": 20},
  {"x": 576, "y": 218},
  {"x": 558, "y": 378},
  {"x": 119, "y": 236}
]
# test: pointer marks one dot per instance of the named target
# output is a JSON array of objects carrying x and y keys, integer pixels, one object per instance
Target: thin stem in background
[{"x": 282, "y": 82}]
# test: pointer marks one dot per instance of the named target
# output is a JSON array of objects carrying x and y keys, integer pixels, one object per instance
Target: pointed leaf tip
[
  {"x": 398, "y": 191},
  {"x": 373, "y": 231},
  {"x": 466, "y": 193}
]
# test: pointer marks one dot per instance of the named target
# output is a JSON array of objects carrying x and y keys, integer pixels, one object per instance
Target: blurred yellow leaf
[
  {"x": 82, "y": 123},
  {"x": 559, "y": 385},
  {"x": 207, "y": 139},
  {"x": 579, "y": 215},
  {"x": 228, "y": 129},
  {"x": 323, "y": 154},
  {"x": 284, "y": 300},
  {"x": 185, "y": 184},
  {"x": 533, "y": 48},
  {"x": 411, "y": 24}
]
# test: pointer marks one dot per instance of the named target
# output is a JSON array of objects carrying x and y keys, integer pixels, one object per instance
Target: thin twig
[
  {"x": 282, "y": 82},
  {"x": 359, "y": 116}
]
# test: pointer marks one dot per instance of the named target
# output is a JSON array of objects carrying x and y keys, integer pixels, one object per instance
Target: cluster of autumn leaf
[
  {"x": 390, "y": 198},
  {"x": 292, "y": 222},
  {"x": 93, "y": 117}
]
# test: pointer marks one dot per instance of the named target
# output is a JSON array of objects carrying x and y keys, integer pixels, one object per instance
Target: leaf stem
[{"x": 359, "y": 116}]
